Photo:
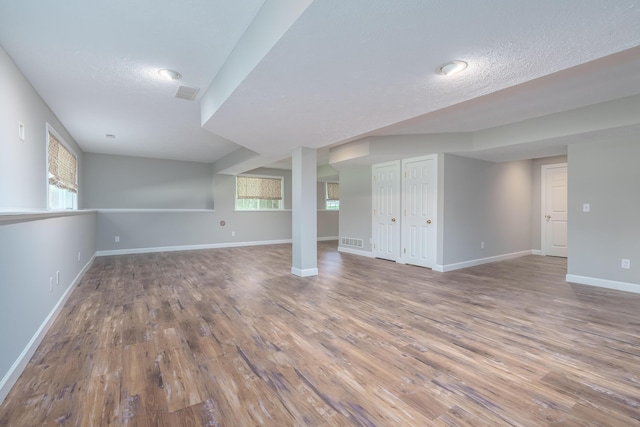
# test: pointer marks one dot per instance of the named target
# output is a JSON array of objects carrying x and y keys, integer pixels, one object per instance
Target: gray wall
[
  {"x": 606, "y": 175},
  {"x": 478, "y": 201},
  {"x": 355, "y": 204},
  {"x": 141, "y": 183},
  {"x": 156, "y": 229},
  {"x": 31, "y": 250},
  {"x": 23, "y": 167},
  {"x": 485, "y": 201},
  {"x": 536, "y": 197},
  {"x": 30, "y": 253}
]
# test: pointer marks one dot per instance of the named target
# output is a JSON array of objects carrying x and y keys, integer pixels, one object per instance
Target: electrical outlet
[
  {"x": 481, "y": 245},
  {"x": 117, "y": 239},
  {"x": 586, "y": 207},
  {"x": 626, "y": 263},
  {"x": 233, "y": 234}
]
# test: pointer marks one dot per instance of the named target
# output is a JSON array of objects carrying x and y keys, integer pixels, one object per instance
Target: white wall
[{"x": 606, "y": 175}]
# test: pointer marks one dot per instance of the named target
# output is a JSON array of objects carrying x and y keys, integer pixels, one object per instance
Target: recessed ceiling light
[
  {"x": 452, "y": 68},
  {"x": 170, "y": 74}
]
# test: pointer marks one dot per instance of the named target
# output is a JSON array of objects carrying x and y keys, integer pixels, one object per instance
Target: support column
[{"x": 304, "y": 215}]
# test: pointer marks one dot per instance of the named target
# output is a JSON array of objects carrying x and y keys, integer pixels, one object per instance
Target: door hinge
[
  {"x": 374, "y": 246},
  {"x": 405, "y": 250}
]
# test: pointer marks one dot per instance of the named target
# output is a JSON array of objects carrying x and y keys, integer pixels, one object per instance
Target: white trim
[
  {"x": 262, "y": 210},
  {"x": 37, "y": 214},
  {"x": 107, "y": 210},
  {"x": 307, "y": 272},
  {"x": 537, "y": 252},
  {"x": 21, "y": 362},
  {"x": 190, "y": 247},
  {"x": 604, "y": 283},
  {"x": 355, "y": 252},
  {"x": 543, "y": 203},
  {"x": 324, "y": 239},
  {"x": 479, "y": 261}
]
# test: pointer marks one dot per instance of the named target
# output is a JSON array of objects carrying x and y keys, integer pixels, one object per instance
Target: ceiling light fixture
[
  {"x": 452, "y": 68},
  {"x": 170, "y": 74}
]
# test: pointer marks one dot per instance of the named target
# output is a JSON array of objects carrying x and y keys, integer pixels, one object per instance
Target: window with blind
[
  {"x": 258, "y": 193},
  {"x": 332, "y": 199},
  {"x": 62, "y": 173}
]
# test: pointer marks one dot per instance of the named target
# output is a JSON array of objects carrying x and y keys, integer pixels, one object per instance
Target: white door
[
  {"x": 386, "y": 210},
  {"x": 554, "y": 206},
  {"x": 419, "y": 224}
]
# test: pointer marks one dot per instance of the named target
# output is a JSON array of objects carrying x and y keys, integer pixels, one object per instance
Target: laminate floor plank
[{"x": 228, "y": 337}]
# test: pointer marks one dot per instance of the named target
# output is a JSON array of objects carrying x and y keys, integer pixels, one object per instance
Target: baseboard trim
[
  {"x": 199, "y": 247},
  {"x": 307, "y": 272},
  {"x": 355, "y": 252},
  {"x": 537, "y": 252},
  {"x": 190, "y": 247},
  {"x": 603, "y": 283},
  {"x": 480, "y": 261},
  {"x": 21, "y": 362}
]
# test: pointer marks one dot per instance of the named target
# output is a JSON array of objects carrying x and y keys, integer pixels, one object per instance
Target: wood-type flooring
[{"x": 229, "y": 337}]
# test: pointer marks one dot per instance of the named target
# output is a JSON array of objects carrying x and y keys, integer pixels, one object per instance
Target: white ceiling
[{"x": 326, "y": 73}]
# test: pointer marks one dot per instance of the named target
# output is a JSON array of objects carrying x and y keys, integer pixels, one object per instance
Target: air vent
[
  {"x": 186, "y": 92},
  {"x": 356, "y": 243}
]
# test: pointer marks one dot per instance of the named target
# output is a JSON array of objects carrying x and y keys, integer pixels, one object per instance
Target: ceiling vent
[{"x": 186, "y": 92}]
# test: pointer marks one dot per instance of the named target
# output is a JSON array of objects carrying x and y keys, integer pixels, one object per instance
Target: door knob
[
  {"x": 393, "y": 220},
  {"x": 548, "y": 217},
  {"x": 428, "y": 221}
]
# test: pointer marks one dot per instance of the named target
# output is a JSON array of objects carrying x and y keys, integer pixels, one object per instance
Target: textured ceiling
[{"x": 328, "y": 72}]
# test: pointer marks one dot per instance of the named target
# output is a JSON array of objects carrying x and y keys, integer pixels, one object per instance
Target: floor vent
[{"x": 356, "y": 243}]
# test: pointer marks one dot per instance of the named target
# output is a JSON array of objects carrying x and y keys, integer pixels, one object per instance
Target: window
[
  {"x": 332, "y": 199},
  {"x": 258, "y": 193},
  {"x": 62, "y": 173}
]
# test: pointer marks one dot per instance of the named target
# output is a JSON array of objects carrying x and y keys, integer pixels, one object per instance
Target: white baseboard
[
  {"x": 355, "y": 252},
  {"x": 190, "y": 247},
  {"x": 537, "y": 252},
  {"x": 198, "y": 247},
  {"x": 21, "y": 362},
  {"x": 603, "y": 283},
  {"x": 304, "y": 272},
  {"x": 479, "y": 261}
]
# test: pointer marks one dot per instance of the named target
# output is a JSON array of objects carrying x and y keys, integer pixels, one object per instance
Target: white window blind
[
  {"x": 250, "y": 187},
  {"x": 63, "y": 166}
]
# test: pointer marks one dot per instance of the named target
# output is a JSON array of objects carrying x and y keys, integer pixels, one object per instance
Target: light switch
[{"x": 586, "y": 207}]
